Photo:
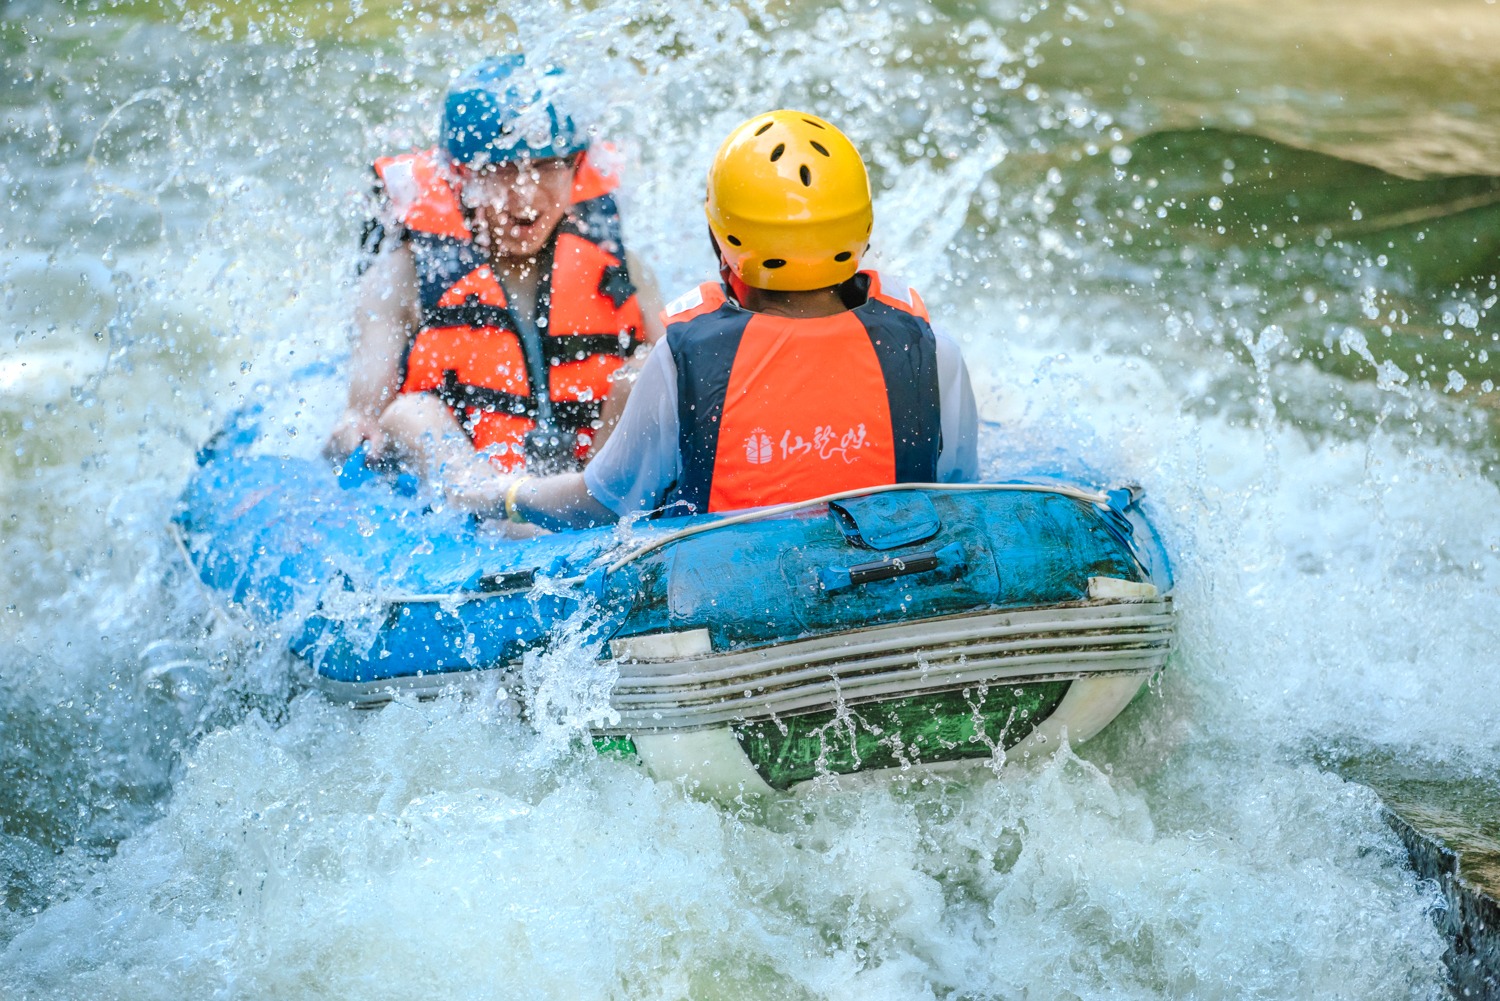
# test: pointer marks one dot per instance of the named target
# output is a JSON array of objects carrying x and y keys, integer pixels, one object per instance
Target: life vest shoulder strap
[
  {"x": 592, "y": 299},
  {"x": 478, "y": 287},
  {"x": 421, "y": 195},
  {"x": 704, "y": 299},
  {"x": 597, "y": 173},
  {"x": 895, "y": 293}
]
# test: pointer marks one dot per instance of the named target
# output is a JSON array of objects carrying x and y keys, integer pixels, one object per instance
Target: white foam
[{"x": 1335, "y": 592}]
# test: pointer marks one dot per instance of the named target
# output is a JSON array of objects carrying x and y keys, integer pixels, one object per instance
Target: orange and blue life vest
[
  {"x": 773, "y": 409},
  {"x": 470, "y": 349}
]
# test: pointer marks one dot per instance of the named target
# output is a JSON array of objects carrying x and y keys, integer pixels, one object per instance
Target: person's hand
[
  {"x": 471, "y": 483},
  {"x": 352, "y": 430}
]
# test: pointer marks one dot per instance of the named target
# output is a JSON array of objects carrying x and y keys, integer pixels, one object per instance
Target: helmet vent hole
[
  {"x": 816, "y": 125},
  {"x": 775, "y": 262},
  {"x": 806, "y": 176},
  {"x": 762, "y": 130},
  {"x": 733, "y": 239},
  {"x": 776, "y": 153},
  {"x": 818, "y": 147},
  {"x": 842, "y": 256}
]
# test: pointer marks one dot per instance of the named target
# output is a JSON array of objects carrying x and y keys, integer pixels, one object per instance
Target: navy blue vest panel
[
  {"x": 907, "y": 350},
  {"x": 703, "y": 349}
]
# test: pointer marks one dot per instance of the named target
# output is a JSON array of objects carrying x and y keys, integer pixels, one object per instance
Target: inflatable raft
[{"x": 910, "y": 626}]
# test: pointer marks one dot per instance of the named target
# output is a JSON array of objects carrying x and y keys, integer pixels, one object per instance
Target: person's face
[{"x": 518, "y": 204}]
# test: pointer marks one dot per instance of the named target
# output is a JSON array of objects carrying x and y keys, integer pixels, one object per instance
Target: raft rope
[
  {"x": 174, "y": 532},
  {"x": 1088, "y": 496},
  {"x": 462, "y": 597}
]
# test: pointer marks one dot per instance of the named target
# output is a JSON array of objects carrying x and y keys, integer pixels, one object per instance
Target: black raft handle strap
[{"x": 950, "y": 557}]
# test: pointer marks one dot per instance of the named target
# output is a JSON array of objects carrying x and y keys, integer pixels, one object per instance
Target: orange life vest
[
  {"x": 471, "y": 350},
  {"x": 774, "y": 410}
]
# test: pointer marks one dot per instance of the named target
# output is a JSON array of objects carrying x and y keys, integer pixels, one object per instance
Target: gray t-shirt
[{"x": 640, "y": 462}]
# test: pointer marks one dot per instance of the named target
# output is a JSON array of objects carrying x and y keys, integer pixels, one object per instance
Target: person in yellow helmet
[{"x": 796, "y": 376}]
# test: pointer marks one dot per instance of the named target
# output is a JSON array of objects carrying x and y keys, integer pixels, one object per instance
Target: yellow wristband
[{"x": 513, "y": 513}]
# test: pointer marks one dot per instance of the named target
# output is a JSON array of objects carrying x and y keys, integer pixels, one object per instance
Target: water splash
[{"x": 192, "y": 821}]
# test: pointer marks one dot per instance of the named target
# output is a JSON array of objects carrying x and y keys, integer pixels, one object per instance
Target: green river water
[{"x": 1243, "y": 253}]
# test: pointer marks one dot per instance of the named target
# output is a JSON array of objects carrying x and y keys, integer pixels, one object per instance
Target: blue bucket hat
[{"x": 499, "y": 111}]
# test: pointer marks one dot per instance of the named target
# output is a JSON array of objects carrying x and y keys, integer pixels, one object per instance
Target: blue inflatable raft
[{"x": 910, "y": 626}]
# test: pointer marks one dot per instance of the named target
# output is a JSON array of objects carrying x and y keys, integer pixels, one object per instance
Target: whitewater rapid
[{"x": 181, "y": 816}]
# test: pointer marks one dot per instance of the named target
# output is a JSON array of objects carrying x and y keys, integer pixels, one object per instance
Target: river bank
[{"x": 1455, "y": 842}]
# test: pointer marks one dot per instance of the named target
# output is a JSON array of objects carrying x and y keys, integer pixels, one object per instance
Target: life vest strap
[
  {"x": 560, "y": 348},
  {"x": 579, "y": 414},
  {"x": 461, "y": 396},
  {"x": 475, "y": 314},
  {"x": 556, "y": 348}
]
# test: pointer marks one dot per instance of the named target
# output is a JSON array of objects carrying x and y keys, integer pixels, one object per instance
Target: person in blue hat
[{"x": 500, "y": 315}]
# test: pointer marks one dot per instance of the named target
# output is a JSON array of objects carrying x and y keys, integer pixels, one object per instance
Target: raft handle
[
  {"x": 842, "y": 578},
  {"x": 506, "y": 580}
]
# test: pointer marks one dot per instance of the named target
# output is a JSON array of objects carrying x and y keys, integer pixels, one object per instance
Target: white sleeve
[
  {"x": 640, "y": 462},
  {"x": 958, "y": 462}
]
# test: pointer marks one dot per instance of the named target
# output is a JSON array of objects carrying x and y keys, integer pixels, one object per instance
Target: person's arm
[
  {"x": 386, "y": 316},
  {"x": 958, "y": 462},
  {"x": 632, "y": 474},
  {"x": 555, "y": 502},
  {"x": 421, "y": 430}
]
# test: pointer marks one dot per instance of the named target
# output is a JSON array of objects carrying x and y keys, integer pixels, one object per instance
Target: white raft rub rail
[
  {"x": 674, "y": 682},
  {"x": 1087, "y": 639}
]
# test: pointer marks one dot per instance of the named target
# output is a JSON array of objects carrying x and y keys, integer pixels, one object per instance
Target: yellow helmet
[{"x": 789, "y": 203}]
